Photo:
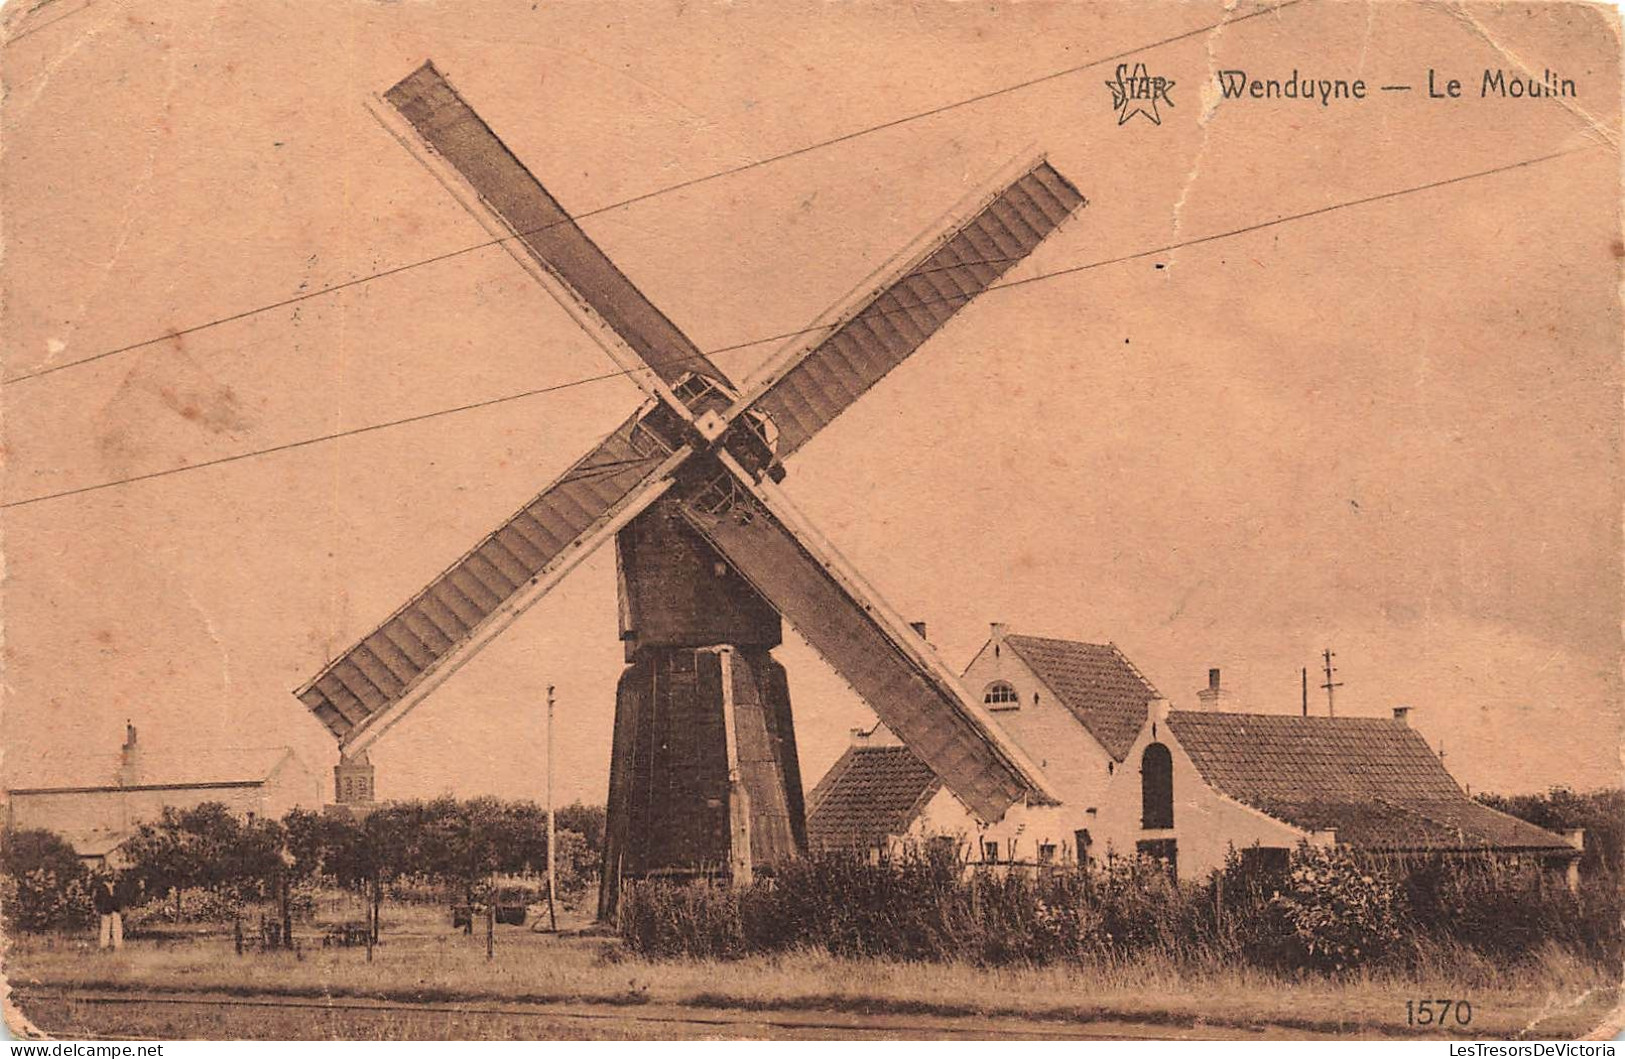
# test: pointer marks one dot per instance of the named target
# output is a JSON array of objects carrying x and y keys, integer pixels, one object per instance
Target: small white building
[
  {"x": 1074, "y": 708},
  {"x": 1205, "y": 781},
  {"x": 95, "y": 802}
]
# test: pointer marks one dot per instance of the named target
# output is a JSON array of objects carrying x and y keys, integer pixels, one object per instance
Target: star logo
[{"x": 1136, "y": 92}]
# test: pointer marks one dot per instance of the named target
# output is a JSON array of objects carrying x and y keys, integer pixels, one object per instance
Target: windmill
[{"x": 710, "y": 554}]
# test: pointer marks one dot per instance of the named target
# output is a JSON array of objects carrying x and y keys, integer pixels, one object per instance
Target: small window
[
  {"x": 1082, "y": 840},
  {"x": 1165, "y": 851},
  {"x": 1272, "y": 860},
  {"x": 1046, "y": 853},
  {"x": 1000, "y": 696},
  {"x": 990, "y": 852}
]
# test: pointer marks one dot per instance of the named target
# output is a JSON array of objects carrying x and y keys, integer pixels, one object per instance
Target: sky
[{"x": 1390, "y": 428}]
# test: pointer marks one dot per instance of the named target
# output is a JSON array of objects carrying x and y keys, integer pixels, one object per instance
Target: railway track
[{"x": 82, "y": 1014}]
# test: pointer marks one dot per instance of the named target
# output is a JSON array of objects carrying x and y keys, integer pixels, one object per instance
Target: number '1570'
[{"x": 1438, "y": 1012}]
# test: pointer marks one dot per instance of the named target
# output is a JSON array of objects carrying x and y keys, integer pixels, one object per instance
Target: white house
[
  {"x": 1202, "y": 782},
  {"x": 1075, "y": 708},
  {"x": 1184, "y": 786},
  {"x": 95, "y": 802}
]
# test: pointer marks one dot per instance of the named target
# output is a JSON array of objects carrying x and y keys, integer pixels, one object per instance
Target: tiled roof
[
  {"x": 179, "y": 767},
  {"x": 1100, "y": 686},
  {"x": 1372, "y": 780},
  {"x": 870, "y": 793}
]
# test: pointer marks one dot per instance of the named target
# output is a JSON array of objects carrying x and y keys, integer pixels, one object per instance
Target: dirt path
[{"x": 81, "y": 1014}]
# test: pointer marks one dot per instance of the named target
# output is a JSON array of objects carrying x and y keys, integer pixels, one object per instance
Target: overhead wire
[
  {"x": 668, "y": 189},
  {"x": 1020, "y": 282}
]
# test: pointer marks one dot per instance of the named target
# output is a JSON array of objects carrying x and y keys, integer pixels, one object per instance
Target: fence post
[{"x": 287, "y": 912}]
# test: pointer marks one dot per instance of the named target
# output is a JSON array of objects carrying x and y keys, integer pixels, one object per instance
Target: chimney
[
  {"x": 129, "y": 764},
  {"x": 1402, "y": 714},
  {"x": 999, "y": 629},
  {"x": 919, "y": 627},
  {"x": 1213, "y": 697}
]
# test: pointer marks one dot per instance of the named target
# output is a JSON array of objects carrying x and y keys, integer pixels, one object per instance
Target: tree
[
  {"x": 253, "y": 867},
  {"x": 585, "y": 820},
  {"x": 1601, "y": 813},
  {"x": 47, "y": 883},
  {"x": 309, "y": 841},
  {"x": 367, "y": 854},
  {"x": 578, "y": 863},
  {"x": 309, "y": 838},
  {"x": 164, "y": 858},
  {"x": 207, "y": 847}
]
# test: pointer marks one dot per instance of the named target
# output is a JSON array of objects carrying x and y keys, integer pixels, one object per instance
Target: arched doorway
[{"x": 1156, "y": 788}]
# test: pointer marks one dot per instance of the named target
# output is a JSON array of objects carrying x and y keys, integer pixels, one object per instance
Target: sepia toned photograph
[{"x": 1043, "y": 520}]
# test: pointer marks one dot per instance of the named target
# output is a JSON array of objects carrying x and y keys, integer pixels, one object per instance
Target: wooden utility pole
[
  {"x": 1306, "y": 691},
  {"x": 552, "y": 863},
  {"x": 1331, "y": 685}
]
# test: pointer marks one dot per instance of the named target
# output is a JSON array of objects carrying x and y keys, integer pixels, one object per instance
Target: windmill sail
[
  {"x": 891, "y": 325},
  {"x": 445, "y": 622},
  {"x": 760, "y": 535},
  {"x": 555, "y": 241}
]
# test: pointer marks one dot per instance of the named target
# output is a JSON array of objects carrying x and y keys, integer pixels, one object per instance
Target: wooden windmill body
[{"x": 710, "y": 553}]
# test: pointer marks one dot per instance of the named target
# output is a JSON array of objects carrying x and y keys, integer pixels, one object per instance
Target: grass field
[{"x": 422, "y": 959}]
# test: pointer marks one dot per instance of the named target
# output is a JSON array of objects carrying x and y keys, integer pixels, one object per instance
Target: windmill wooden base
[{"x": 704, "y": 780}]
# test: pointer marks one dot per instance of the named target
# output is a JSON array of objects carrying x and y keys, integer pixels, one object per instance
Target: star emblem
[{"x": 1137, "y": 92}]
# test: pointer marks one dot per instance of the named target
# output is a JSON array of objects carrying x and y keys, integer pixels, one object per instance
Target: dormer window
[{"x": 1000, "y": 695}]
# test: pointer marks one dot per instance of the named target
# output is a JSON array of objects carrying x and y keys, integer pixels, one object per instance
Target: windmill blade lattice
[
  {"x": 890, "y": 326},
  {"x": 549, "y": 234},
  {"x": 569, "y": 517}
]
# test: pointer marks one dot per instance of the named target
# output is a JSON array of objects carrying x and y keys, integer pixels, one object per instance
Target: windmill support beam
[
  {"x": 739, "y": 861},
  {"x": 846, "y": 621}
]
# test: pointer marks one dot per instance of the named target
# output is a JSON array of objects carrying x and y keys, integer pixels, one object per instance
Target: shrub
[
  {"x": 1343, "y": 912},
  {"x": 198, "y": 905},
  {"x": 665, "y": 919},
  {"x": 47, "y": 887},
  {"x": 1507, "y": 907}
]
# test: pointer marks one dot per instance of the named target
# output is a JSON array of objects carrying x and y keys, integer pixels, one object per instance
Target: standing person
[
  {"x": 127, "y": 893},
  {"x": 104, "y": 896}
]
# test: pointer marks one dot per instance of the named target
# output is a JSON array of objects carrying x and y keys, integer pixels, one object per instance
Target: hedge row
[{"x": 1327, "y": 910}]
